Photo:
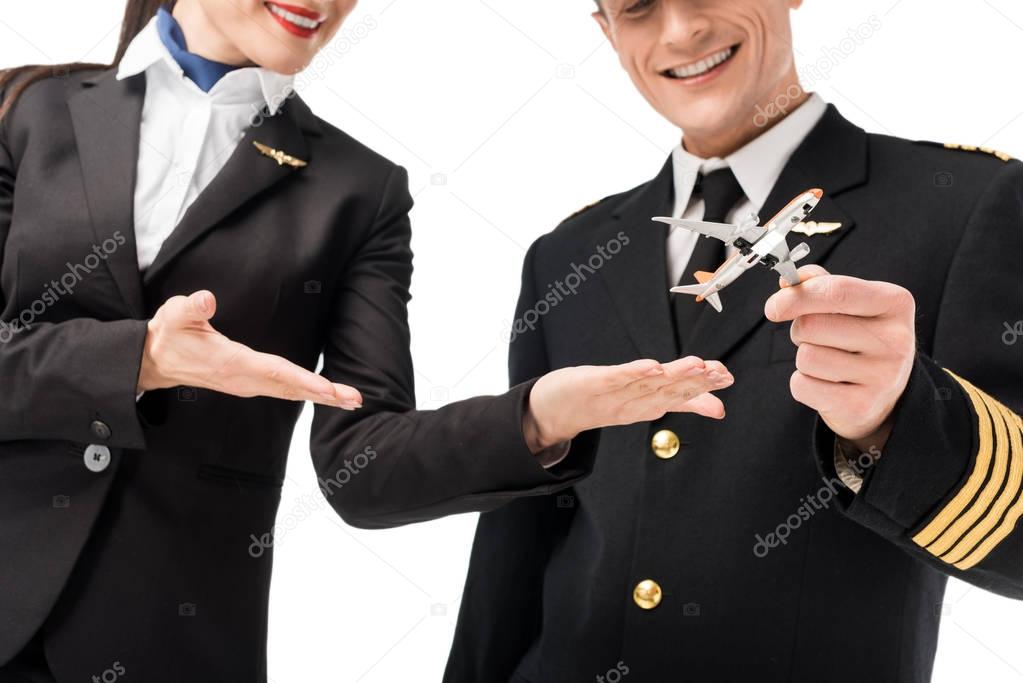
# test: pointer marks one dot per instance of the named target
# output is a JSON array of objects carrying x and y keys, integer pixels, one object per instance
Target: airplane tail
[{"x": 698, "y": 291}]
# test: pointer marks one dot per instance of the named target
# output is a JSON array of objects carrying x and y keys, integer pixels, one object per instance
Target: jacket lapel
[
  {"x": 106, "y": 114},
  {"x": 637, "y": 277},
  {"x": 246, "y": 174},
  {"x": 833, "y": 157}
]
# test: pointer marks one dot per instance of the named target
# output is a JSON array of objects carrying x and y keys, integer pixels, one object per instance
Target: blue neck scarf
[{"x": 203, "y": 72}]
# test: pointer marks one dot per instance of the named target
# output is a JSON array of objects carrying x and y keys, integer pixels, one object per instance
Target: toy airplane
[{"x": 765, "y": 245}]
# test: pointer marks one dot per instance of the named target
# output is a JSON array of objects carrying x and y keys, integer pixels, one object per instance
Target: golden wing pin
[
  {"x": 814, "y": 228},
  {"x": 280, "y": 157}
]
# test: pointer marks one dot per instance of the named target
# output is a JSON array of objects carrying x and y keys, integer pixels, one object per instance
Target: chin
[
  {"x": 704, "y": 114},
  {"x": 285, "y": 63}
]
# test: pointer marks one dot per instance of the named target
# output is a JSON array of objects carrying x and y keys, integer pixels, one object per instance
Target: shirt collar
[
  {"x": 252, "y": 84},
  {"x": 757, "y": 164}
]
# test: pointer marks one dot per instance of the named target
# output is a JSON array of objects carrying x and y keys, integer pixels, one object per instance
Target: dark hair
[{"x": 136, "y": 15}]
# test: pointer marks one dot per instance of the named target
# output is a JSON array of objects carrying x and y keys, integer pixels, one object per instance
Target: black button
[{"x": 100, "y": 430}]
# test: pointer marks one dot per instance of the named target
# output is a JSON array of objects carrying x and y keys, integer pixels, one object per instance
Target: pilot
[{"x": 872, "y": 445}]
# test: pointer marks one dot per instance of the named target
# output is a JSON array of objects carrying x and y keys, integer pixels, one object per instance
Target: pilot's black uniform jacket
[{"x": 854, "y": 593}]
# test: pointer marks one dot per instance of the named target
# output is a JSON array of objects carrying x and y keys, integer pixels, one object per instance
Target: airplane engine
[{"x": 799, "y": 251}]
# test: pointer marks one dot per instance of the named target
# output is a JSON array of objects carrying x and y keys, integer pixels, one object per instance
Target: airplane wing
[
  {"x": 723, "y": 231},
  {"x": 752, "y": 233}
]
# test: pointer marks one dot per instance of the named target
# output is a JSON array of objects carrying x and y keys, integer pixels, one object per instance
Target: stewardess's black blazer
[{"x": 152, "y": 561}]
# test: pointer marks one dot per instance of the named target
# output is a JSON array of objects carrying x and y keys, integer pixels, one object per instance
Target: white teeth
[
  {"x": 702, "y": 66},
  {"x": 296, "y": 19}
]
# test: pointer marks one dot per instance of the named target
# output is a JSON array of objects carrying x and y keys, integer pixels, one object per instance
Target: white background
[{"x": 509, "y": 115}]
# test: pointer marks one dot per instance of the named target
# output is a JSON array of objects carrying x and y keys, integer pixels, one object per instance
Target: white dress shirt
[
  {"x": 756, "y": 166},
  {"x": 186, "y": 135}
]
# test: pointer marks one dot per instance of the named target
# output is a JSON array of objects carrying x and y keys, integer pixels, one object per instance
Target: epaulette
[
  {"x": 583, "y": 210},
  {"x": 969, "y": 148}
]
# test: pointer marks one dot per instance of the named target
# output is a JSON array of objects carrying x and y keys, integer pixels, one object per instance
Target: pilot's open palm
[
  {"x": 183, "y": 349},
  {"x": 566, "y": 402}
]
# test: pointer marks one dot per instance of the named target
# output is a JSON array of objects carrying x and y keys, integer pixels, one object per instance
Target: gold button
[
  {"x": 647, "y": 594},
  {"x": 665, "y": 444}
]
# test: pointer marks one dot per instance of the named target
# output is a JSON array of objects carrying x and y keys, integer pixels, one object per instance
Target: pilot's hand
[
  {"x": 857, "y": 342},
  {"x": 183, "y": 349},
  {"x": 566, "y": 402}
]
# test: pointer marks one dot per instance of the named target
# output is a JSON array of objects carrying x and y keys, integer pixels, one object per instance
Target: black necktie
[{"x": 720, "y": 192}]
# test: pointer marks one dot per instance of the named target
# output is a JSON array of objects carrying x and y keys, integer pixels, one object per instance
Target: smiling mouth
[
  {"x": 296, "y": 20},
  {"x": 709, "y": 64}
]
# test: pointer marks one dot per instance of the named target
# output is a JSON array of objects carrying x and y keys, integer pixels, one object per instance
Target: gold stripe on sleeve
[
  {"x": 1003, "y": 426},
  {"x": 973, "y": 483},
  {"x": 1014, "y": 513}
]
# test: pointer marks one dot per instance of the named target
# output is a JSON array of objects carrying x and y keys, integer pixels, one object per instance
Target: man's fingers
[
  {"x": 821, "y": 395},
  {"x": 805, "y": 273},
  {"x": 829, "y": 294},
  {"x": 836, "y": 330},
  {"x": 830, "y": 364}
]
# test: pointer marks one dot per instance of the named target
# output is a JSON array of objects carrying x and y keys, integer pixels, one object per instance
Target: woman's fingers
[
  {"x": 676, "y": 370},
  {"x": 674, "y": 396},
  {"x": 182, "y": 348},
  {"x": 251, "y": 373},
  {"x": 616, "y": 377},
  {"x": 182, "y": 311},
  {"x": 679, "y": 370},
  {"x": 348, "y": 395},
  {"x": 707, "y": 405},
  {"x": 692, "y": 378},
  {"x": 679, "y": 381},
  {"x": 568, "y": 401}
]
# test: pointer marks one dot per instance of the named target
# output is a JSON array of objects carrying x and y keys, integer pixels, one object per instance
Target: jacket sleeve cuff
[
  {"x": 924, "y": 461},
  {"x": 118, "y": 406},
  {"x": 558, "y": 465}
]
